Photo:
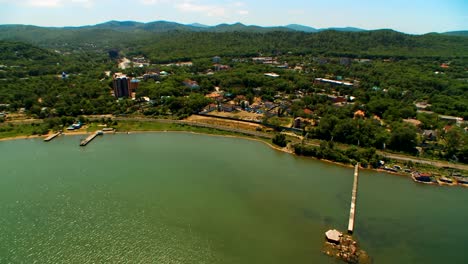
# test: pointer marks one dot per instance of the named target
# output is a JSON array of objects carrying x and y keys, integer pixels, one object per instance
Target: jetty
[
  {"x": 344, "y": 246},
  {"x": 352, "y": 210},
  {"x": 49, "y": 138},
  {"x": 90, "y": 138}
]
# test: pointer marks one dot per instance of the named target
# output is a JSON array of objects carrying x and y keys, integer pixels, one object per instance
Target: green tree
[
  {"x": 280, "y": 140},
  {"x": 403, "y": 138}
]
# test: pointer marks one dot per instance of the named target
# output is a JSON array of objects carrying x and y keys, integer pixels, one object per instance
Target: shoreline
[
  {"x": 208, "y": 134},
  {"x": 252, "y": 138},
  {"x": 42, "y": 136},
  {"x": 271, "y": 145}
]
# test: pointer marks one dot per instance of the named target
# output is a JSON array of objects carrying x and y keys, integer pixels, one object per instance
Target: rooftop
[
  {"x": 333, "y": 235},
  {"x": 334, "y": 82},
  {"x": 271, "y": 74}
]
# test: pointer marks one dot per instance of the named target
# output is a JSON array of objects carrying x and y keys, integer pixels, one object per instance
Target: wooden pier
[
  {"x": 344, "y": 246},
  {"x": 49, "y": 138},
  {"x": 352, "y": 211},
  {"x": 85, "y": 141}
]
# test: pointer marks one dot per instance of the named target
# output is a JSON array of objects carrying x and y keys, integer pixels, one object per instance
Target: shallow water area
[{"x": 187, "y": 198}]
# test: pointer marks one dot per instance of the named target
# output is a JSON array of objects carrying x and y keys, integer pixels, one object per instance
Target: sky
[{"x": 409, "y": 16}]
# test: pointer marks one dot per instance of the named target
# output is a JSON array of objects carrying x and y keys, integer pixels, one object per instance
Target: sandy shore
[
  {"x": 19, "y": 137},
  {"x": 43, "y": 136}
]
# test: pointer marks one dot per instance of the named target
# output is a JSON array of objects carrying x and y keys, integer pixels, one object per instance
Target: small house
[
  {"x": 216, "y": 59},
  {"x": 412, "y": 121},
  {"x": 307, "y": 111},
  {"x": 359, "y": 114},
  {"x": 227, "y": 107},
  {"x": 191, "y": 84},
  {"x": 76, "y": 125},
  {"x": 430, "y": 134},
  {"x": 333, "y": 236},
  {"x": 446, "y": 180},
  {"x": 461, "y": 179},
  {"x": 422, "y": 177}
]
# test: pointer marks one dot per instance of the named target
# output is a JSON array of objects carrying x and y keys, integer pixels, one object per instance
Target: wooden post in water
[{"x": 352, "y": 211}]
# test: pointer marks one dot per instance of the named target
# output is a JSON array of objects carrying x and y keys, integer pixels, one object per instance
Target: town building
[
  {"x": 422, "y": 105},
  {"x": 451, "y": 119},
  {"x": 333, "y": 82},
  {"x": 216, "y": 59},
  {"x": 265, "y": 60},
  {"x": 124, "y": 86},
  {"x": 272, "y": 74},
  {"x": 345, "y": 61},
  {"x": 191, "y": 84},
  {"x": 155, "y": 75},
  {"x": 412, "y": 121},
  {"x": 140, "y": 62}
]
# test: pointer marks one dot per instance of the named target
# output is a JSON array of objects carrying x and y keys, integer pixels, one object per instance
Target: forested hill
[
  {"x": 18, "y": 59},
  {"x": 383, "y": 43},
  {"x": 177, "y": 43},
  {"x": 463, "y": 33},
  {"x": 165, "y": 26},
  {"x": 17, "y": 52}
]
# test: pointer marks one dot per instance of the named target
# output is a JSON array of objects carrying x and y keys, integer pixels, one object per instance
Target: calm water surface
[{"x": 184, "y": 198}]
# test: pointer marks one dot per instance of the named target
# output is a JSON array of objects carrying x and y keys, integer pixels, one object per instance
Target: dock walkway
[
  {"x": 49, "y": 138},
  {"x": 85, "y": 141},
  {"x": 352, "y": 211}
]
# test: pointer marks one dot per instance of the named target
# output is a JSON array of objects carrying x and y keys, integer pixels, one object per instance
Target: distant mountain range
[
  {"x": 166, "y": 26},
  {"x": 167, "y": 41},
  {"x": 463, "y": 33}
]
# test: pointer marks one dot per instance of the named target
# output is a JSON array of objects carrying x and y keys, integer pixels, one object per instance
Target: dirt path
[{"x": 123, "y": 64}]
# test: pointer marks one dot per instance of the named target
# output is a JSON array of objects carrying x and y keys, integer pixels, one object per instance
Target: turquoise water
[{"x": 186, "y": 198}]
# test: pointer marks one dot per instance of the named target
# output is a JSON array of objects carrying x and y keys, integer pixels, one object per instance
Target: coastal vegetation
[{"x": 280, "y": 140}]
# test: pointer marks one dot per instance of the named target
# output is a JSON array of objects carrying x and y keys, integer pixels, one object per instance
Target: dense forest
[
  {"x": 391, "y": 71},
  {"x": 174, "y": 42}
]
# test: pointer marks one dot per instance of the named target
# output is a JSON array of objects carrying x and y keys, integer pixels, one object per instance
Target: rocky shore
[{"x": 345, "y": 248}]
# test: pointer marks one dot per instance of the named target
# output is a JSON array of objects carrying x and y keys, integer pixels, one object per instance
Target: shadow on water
[
  {"x": 373, "y": 229},
  {"x": 317, "y": 217}
]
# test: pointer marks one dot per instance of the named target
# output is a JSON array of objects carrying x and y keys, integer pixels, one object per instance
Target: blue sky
[{"x": 410, "y": 16}]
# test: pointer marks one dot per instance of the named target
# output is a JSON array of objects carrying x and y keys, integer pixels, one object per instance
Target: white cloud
[
  {"x": 238, "y": 4},
  {"x": 85, "y": 3},
  {"x": 209, "y": 10},
  {"x": 154, "y": 2},
  {"x": 44, "y": 3},
  {"x": 58, "y": 3}
]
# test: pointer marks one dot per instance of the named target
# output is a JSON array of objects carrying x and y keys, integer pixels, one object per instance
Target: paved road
[{"x": 424, "y": 161}]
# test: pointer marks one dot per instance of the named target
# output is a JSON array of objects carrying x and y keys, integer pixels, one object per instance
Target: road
[{"x": 435, "y": 163}]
